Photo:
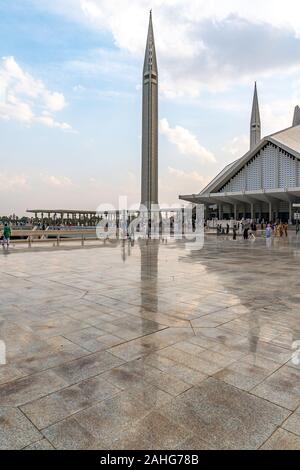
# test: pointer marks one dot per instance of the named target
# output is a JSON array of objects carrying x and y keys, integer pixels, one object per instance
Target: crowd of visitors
[{"x": 248, "y": 229}]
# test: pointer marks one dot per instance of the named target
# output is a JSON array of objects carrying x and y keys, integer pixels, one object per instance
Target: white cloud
[
  {"x": 186, "y": 175},
  {"x": 50, "y": 122},
  {"x": 201, "y": 44},
  {"x": 91, "y": 10},
  {"x": 193, "y": 10},
  {"x": 54, "y": 101},
  {"x": 58, "y": 181},
  {"x": 277, "y": 115},
  {"x": 186, "y": 142},
  {"x": 177, "y": 181},
  {"x": 15, "y": 183},
  {"x": 236, "y": 147},
  {"x": 109, "y": 63},
  {"x": 26, "y": 99},
  {"x": 78, "y": 88}
]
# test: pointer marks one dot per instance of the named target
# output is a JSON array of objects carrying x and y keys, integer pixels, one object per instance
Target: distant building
[
  {"x": 149, "y": 177},
  {"x": 264, "y": 183}
]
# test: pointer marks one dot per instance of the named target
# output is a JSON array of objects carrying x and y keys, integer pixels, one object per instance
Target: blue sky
[{"x": 70, "y": 93}]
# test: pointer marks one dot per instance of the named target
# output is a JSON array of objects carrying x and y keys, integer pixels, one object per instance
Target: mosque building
[{"x": 262, "y": 184}]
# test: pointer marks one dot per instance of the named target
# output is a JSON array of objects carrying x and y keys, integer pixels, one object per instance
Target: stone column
[
  {"x": 206, "y": 212},
  {"x": 235, "y": 212},
  {"x": 260, "y": 212},
  {"x": 270, "y": 212},
  {"x": 252, "y": 211},
  {"x": 220, "y": 212},
  {"x": 290, "y": 212}
]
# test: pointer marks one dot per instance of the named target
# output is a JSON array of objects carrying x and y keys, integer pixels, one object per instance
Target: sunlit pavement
[{"x": 151, "y": 346}]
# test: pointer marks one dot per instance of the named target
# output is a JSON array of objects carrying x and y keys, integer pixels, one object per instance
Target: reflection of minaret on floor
[
  {"x": 149, "y": 273},
  {"x": 149, "y": 183}
]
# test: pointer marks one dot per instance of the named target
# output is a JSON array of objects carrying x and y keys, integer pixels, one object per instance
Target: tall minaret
[
  {"x": 149, "y": 194},
  {"x": 296, "y": 119},
  {"x": 255, "y": 128}
]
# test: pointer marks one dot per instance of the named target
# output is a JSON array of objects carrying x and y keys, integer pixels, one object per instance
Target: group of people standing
[
  {"x": 278, "y": 229},
  {"x": 245, "y": 228},
  {"x": 222, "y": 230},
  {"x": 248, "y": 228}
]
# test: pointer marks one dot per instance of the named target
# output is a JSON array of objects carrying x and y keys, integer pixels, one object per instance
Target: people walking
[
  {"x": 281, "y": 229},
  {"x": 246, "y": 233},
  {"x": 6, "y": 235},
  {"x": 234, "y": 232},
  {"x": 268, "y": 231}
]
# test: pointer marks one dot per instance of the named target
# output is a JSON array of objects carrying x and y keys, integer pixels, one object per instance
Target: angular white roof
[{"x": 289, "y": 138}]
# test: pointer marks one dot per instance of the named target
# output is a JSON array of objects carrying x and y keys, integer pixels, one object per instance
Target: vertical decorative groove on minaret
[
  {"x": 255, "y": 125},
  {"x": 149, "y": 179}
]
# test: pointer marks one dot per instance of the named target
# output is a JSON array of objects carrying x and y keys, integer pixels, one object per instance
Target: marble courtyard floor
[{"x": 151, "y": 346}]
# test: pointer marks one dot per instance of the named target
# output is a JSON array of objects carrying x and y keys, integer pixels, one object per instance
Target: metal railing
[{"x": 31, "y": 237}]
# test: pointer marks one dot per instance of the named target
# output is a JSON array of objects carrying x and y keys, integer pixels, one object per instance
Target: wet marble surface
[{"x": 151, "y": 346}]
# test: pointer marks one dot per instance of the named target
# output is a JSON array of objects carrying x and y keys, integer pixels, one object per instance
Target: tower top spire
[
  {"x": 255, "y": 125},
  {"x": 296, "y": 120},
  {"x": 255, "y": 116},
  {"x": 150, "y": 62}
]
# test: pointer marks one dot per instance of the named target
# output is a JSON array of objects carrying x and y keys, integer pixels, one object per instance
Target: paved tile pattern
[{"x": 151, "y": 346}]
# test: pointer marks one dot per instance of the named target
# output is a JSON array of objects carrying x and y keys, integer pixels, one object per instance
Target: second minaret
[
  {"x": 255, "y": 126},
  {"x": 149, "y": 183}
]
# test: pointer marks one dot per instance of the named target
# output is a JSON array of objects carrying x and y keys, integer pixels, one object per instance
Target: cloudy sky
[{"x": 70, "y": 93}]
